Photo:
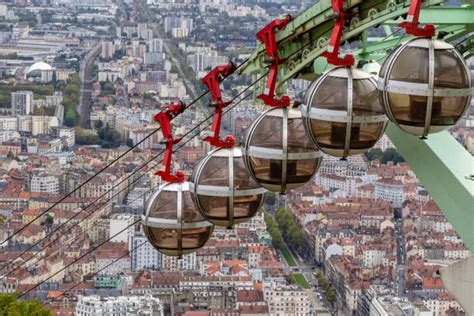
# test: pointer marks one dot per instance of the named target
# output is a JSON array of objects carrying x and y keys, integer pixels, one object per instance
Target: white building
[
  {"x": 372, "y": 257},
  {"x": 118, "y": 306},
  {"x": 68, "y": 135},
  {"x": 389, "y": 190},
  {"x": 286, "y": 300},
  {"x": 112, "y": 265},
  {"x": 186, "y": 24},
  {"x": 107, "y": 50},
  {"x": 144, "y": 256},
  {"x": 121, "y": 226},
  {"x": 330, "y": 181},
  {"x": 188, "y": 262},
  {"x": 36, "y": 125},
  {"x": 8, "y": 123},
  {"x": 138, "y": 197},
  {"x": 45, "y": 183},
  {"x": 41, "y": 125},
  {"x": 22, "y": 102},
  {"x": 441, "y": 305},
  {"x": 155, "y": 45}
]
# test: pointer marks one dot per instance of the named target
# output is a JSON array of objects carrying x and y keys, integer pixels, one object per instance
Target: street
[
  {"x": 85, "y": 73},
  {"x": 400, "y": 244},
  {"x": 316, "y": 295}
]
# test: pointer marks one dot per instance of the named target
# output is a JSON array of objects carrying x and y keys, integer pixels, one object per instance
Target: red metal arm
[
  {"x": 332, "y": 54},
  {"x": 411, "y": 25},
  {"x": 164, "y": 119},
  {"x": 213, "y": 80},
  {"x": 267, "y": 37}
]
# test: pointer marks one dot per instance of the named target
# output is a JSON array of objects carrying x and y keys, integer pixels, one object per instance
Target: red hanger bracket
[
  {"x": 332, "y": 54},
  {"x": 267, "y": 37},
  {"x": 412, "y": 23},
  {"x": 212, "y": 80},
  {"x": 164, "y": 119}
]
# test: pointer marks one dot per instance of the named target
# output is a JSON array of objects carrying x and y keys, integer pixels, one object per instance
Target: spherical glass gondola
[
  {"x": 171, "y": 222},
  {"x": 342, "y": 113},
  {"x": 425, "y": 86},
  {"x": 278, "y": 153},
  {"x": 223, "y": 190}
]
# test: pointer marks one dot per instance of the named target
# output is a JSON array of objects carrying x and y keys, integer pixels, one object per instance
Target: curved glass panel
[
  {"x": 167, "y": 239},
  {"x": 410, "y": 110},
  {"x": 164, "y": 206},
  {"x": 269, "y": 172},
  {"x": 331, "y": 94},
  {"x": 450, "y": 71},
  {"x": 412, "y": 65},
  {"x": 365, "y": 100},
  {"x": 217, "y": 209},
  {"x": 268, "y": 133},
  {"x": 383, "y": 69},
  {"x": 366, "y": 136},
  {"x": 215, "y": 172},
  {"x": 298, "y": 140},
  {"x": 330, "y": 134}
]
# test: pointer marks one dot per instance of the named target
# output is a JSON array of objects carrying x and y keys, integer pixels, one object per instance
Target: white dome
[{"x": 40, "y": 66}]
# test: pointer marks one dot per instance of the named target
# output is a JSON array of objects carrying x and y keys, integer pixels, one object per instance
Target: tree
[
  {"x": 270, "y": 198},
  {"x": 129, "y": 142},
  {"x": 49, "y": 220},
  {"x": 110, "y": 137},
  {"x": 391, "y": 154},
  {"x": 99, "y": 124},
  {"x": 71, "y": 118},
  {"x": 331, "y": 296},
  {"x": 10, "y": 306},
  {"x": 55, "y": 78},
  {"x": 374, "y": 154},
  {"x": 40, "y": 111}
]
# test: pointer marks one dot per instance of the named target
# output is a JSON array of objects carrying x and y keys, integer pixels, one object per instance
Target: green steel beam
[
  {"x": 445, "y": 15},
  {"x": 375, "y": 49},
  {"x": 314, "y": 23},
  {"x": 305, "y": 38},
  {"x": 446, "y": 169},
  {"x": 443, "y": 166}
]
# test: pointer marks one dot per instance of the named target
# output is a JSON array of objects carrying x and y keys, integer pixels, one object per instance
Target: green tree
[
  {"x": 55, "y": 78},
  {"x": 129, "y": 142},
  {"x": 374, "y": 154},
  {"x": 270, "y": 198},
  {"x": 40, "y": 111},
  {"x": 99, "y": 124},
  {"x": 49, "y": 219},
  {"x": 391, "y": 154},
  {"x": 10, "y": 306},
  {"x": 110, "y": 137},
  {"x": 71, "y": 118},
  {"x": 331, "y": 296}
]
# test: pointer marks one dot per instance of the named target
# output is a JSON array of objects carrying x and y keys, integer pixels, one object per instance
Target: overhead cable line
[
  {"x": 146, "y": 241},
  {"x": 103, "y": 195},
  {"x": 108, "y": 165},
  {"x": 110, "y": 238},
  {"x": 90, "y": 179}
]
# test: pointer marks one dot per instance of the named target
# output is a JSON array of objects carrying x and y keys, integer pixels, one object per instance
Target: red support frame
[
  {"x": 412, "y": 23},
  {"x": 267, "y": 37},
  {"x": 332, "y": 54},
  {"x": 164, "y": 119},
  {"x": 212, "y": 80}
]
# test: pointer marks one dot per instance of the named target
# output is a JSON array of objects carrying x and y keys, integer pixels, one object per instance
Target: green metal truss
[{"x": 444, "y": 167}]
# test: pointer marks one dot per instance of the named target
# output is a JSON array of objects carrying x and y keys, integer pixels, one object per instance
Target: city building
[
  {"x": 22, "y": 102},
  {"x": 286, "y": 300},
  {"x": 121, "y": 305},
  {"x": 144, "y": 256}
]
